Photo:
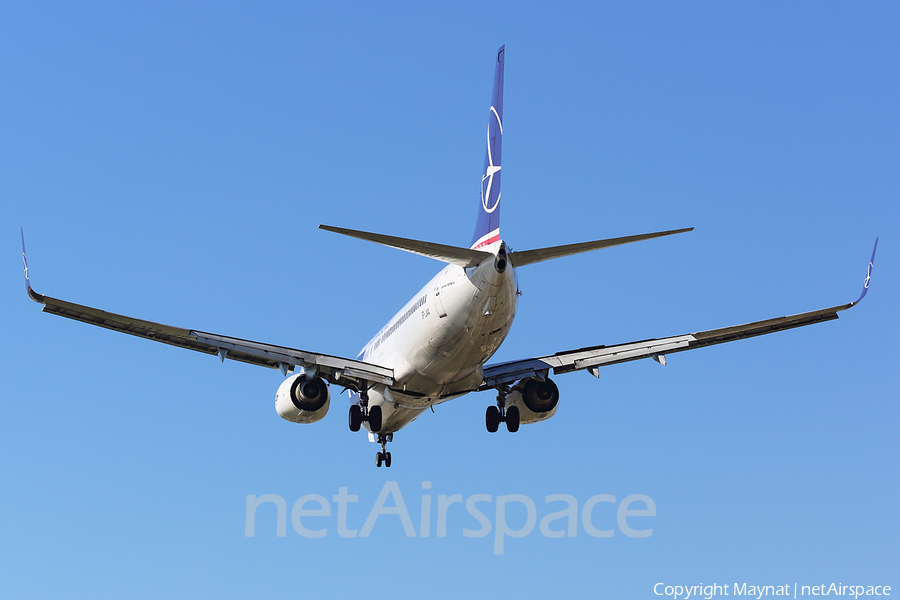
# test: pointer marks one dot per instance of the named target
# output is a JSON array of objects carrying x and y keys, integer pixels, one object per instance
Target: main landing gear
[
  {"x": 361, "y": 412},
  {"x": 384, "y": 456},
  {"x": 500, "y": 413}
]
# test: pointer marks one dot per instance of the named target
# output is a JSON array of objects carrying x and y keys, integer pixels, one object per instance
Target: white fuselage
[{"x": 437, "y": 343}]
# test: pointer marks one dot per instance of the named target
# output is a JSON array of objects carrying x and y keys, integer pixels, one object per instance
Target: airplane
[{"x": 435, "y": 349}]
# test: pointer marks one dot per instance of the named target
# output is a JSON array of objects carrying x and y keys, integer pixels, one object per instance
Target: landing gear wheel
[
  {"x": 356, "y": 417},
  {"x": 375, "y": 419},
  {"x": 383, "y": 457},
  {"x": 492, "y": 419},
  {"x": 512, "y": 419}
]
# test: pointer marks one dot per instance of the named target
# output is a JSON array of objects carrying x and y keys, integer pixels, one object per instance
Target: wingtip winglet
[
  {"x": 868, "y": 275},
  {"x": 31, "y": 293}
]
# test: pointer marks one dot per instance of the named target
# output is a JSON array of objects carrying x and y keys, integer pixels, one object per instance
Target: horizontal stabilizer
[
  {"x": 464, "y": 257},
  {"x": 527, "y": 257}
]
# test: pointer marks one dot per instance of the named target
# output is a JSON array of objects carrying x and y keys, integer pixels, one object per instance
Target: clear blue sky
[{"x": 172, "y": 162}]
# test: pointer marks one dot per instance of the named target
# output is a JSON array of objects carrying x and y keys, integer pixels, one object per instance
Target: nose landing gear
[
  {"x": 501, "y": 414},
  {"x": 384, "y": 456}
]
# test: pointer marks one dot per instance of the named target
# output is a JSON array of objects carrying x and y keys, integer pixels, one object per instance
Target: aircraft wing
[
  {"x": 335, "y": 369},
  {"x": 594, "y": 357}
]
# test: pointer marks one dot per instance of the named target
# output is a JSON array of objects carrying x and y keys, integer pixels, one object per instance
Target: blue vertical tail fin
[{"x": 487, "y": 227}]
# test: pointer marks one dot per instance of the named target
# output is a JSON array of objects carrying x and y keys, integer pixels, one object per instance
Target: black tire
[
  {"x": 378, "y": 459},
  {"x": 512, "y": 419},
  {"x": 355, "y": 417},
  {"x": 387, "y": 459},
  {"x": 492, "y": 419},
  {"x": 375, "y": 419}
]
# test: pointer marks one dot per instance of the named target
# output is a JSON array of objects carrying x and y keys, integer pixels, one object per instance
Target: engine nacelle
[
  {"x": 300, "y": 399},
  {"x": 536, "y": 400}
]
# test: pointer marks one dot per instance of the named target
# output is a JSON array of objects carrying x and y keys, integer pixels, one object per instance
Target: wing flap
[
  {"x": 598, "y": 356},
  {"x": 583, "y": 358}
]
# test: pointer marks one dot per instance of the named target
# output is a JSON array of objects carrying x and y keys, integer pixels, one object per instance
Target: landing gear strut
[
  {"x": 384, "y": 456},
  {"x": 500, "y": 413},
  {"x": 360, "y": 413}
]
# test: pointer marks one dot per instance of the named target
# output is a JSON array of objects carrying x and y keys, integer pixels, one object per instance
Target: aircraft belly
[
  {"x": 473, "y": 330},
  {"x": 394, "y": 417},
  {"x": 443, "y": 356}
]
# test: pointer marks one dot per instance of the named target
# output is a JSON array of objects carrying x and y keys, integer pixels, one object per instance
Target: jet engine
[
  {"x": 536, "y": 399},
  {"x": 302, "y": 399}
]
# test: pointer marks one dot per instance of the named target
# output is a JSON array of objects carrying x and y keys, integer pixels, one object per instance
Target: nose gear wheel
[{"x": 383, "y": 457}]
